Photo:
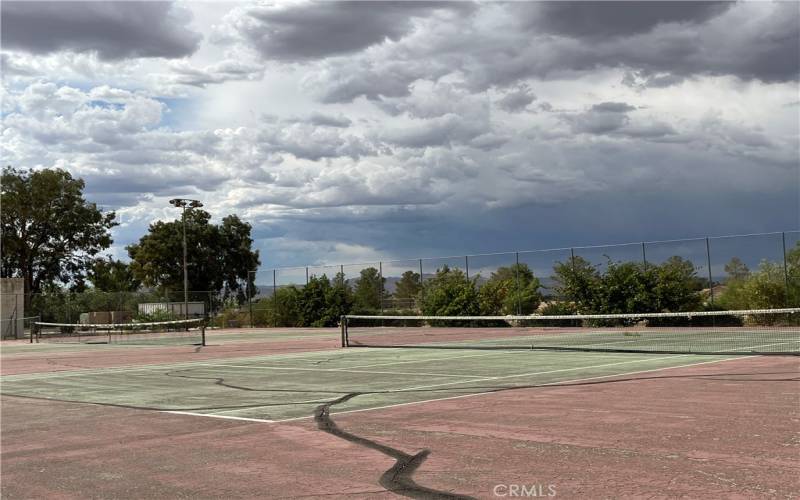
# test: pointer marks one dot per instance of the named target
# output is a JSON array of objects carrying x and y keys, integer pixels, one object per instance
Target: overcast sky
[{"x": 345, "y": 132}]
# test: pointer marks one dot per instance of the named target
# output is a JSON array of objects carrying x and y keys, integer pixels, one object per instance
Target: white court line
[
  {"x": 496, "y": 353},
  {"x": 549, "y": 384},
  {"x": 476, "y": 394},
  {"x": 175, "y": 412},
  {"x": 343, "y": 370},
  {"x": 486, "y": 379}
]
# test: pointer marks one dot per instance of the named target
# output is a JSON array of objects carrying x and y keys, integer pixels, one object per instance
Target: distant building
[{"x": 196, "y": 309}]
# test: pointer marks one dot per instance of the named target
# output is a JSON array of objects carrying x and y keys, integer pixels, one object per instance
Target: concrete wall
[{"x": 12, "y": 308}]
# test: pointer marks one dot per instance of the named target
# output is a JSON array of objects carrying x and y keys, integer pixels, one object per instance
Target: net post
[
  {"x": 342, "y": 326},
  {"x": 33, "y": 331},
  {"x": 203, "y": 333}
]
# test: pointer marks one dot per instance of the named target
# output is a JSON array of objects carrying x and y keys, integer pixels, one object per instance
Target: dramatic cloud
[
  {"x": 114, "y": 30},
  {"x": 517, "y": 99},
  {"x": 614, "y": 19},
  {"x": 317, "y": 30},
  {"x": 366, "y": 131}
]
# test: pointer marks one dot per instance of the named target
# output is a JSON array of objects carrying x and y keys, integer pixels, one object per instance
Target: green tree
[
  {"x": 50, "y": 233},
  {"x": 793, "y": 276},
  {"x": 282, "y": 309},
  {"x": 626, "y": 288},
  {"x": 313, "y": 302},
  {"x": 736, "y": 269},
  {"x": 338, "y": 300},
  {"x": 369, "y": 291},
  {"x": 408, "y": 286},
  {"x": 110, "y": 275},
  {"x": 677, "y": 286},
  {"x": 629, "y": 287},
  {"x": 510, "y": 290},
  {"x": 449, "y": 293},
  {"x": 220, "y": 257},
  {"x": 579, "y": 282},
  {"x": 764, "y": 288}
]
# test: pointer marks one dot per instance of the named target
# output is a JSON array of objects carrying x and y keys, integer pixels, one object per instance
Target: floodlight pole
[
  {"x": 183, "y": 203},
  {"x": 185, "y": 271}
]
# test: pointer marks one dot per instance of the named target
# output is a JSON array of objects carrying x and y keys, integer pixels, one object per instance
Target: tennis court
[{"x": 290, "y": 413}]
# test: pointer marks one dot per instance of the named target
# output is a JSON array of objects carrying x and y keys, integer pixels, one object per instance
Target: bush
[{"x": 449, "y": 293}]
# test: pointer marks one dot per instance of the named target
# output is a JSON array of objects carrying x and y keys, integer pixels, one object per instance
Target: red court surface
[{"x": 728, "y": 429}]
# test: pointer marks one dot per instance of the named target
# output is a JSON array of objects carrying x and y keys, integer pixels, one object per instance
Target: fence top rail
[
  {"x": 788, "y": 310},
  {"x": 562, "y": 249}
]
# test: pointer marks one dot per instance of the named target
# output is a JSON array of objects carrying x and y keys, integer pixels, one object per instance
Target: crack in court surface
[{"x": 399, "y": 478}]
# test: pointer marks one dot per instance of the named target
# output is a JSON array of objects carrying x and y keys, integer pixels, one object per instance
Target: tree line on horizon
[
  {"x": 580, "y": 287},
  {"x": 53, "y": 238}
]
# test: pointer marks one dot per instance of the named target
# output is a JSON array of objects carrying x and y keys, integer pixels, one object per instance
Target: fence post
[
  {"x": 380, "y": 284},
  {"x": 516, "y": 278},
  {"x": 644, "y": 257},
  {"x": 249, "y": 298},
  {"x": 306, "y": 275},
  {"x": 16, "y": 313},
  {"x": 710, "y": 279},
  {"x": 421, "y": 287},
  {"x": 466, "y": 265},
  {"x": 572, "y": 259},
  {"x": 785, "y": 269},
  {"x": 274, "y": 284}
]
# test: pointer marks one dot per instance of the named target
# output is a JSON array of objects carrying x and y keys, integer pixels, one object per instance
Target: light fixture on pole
[{"x": 183, "y": 203}]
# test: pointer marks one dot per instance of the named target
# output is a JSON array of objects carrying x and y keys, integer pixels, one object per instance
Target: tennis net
[
  {"x": 179, "y": 332},
  {"x": 762, "y": 331}
]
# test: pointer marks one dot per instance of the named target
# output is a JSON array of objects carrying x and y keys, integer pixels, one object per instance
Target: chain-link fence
[
  {"x": 94, "y": 306},
  {"x": 725, "y": 271}
]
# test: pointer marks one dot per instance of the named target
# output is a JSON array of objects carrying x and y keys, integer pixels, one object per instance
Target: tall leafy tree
[
  {"x": 449, "y": 293},
  {"x": 50, "y": 233},
  {"x": 408, "y": 286},
  {"x": 110, "y": 275},
  {"x": 220, "y": 257},
  {"x": 579, "y": 282},
  {"x": 770, "y": 286},
  {"x": 313, "y": 297},
  {"x": 369, "y": 290},
  {"x": 338, "y": 300},
  {"x": 510, "y": 290},
  {"x": 677, "y": 286},
  {"x": 736, "y": 269}
]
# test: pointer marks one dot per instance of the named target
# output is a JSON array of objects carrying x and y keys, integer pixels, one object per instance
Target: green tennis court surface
[{"x": 289, "y": 386}]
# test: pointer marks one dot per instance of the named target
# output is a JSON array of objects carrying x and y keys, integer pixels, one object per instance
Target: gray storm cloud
[
  {"x": 114, "y": 30},
  {"x": 405, "y": 128}
]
